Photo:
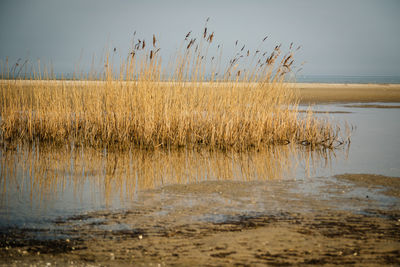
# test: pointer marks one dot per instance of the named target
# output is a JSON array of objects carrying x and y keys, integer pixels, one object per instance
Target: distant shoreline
[
  {"x": 299, "y": 81},
  {"x": 309, "y": 92},
  {"x": 348, "y": 93}
]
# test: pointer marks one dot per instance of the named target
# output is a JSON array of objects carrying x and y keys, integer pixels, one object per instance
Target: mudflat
[
  {"x": 225, "y": 223},
  {"x": 389, "y": 185}
]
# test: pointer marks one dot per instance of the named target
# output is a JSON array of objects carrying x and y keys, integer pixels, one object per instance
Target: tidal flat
[{"x": 282, "y": 205}]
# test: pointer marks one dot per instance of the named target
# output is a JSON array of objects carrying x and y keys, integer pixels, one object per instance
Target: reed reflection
[{"x": 45, "y": 173}]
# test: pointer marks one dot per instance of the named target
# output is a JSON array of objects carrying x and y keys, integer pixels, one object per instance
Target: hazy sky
[{"x": 339, "y": 37}]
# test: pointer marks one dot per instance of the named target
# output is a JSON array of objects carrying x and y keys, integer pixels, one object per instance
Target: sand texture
[{"x": 192, "y": 225}]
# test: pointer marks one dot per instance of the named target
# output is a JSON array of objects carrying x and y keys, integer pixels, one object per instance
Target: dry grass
[{"x": 147, "y": 106}]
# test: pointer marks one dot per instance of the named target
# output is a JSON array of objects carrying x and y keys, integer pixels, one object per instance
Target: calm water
[
  {"x": 40, "y": 184},
  {"x": 375, "y": 146}
]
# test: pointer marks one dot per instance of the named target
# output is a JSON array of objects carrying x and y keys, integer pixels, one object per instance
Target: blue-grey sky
[{"x": 338, "y": 37}]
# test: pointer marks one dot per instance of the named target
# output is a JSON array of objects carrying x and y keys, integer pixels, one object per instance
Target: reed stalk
[{"x": 148, "y": 106}]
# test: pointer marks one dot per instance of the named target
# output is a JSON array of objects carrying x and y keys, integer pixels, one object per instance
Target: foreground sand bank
[
  {"x": 309, "y": 92},
  {"x": 218, "y": 223}
]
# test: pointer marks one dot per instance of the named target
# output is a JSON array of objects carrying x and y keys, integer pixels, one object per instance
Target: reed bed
[{"x": 191, "y": 102}]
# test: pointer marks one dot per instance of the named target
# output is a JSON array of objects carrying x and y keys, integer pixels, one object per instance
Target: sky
[{"x": 340, "y": 37}]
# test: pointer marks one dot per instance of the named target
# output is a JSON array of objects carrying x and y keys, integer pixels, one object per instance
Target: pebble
[{"x": 140, "y": 237}]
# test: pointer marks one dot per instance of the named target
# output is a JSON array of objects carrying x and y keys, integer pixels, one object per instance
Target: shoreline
[
  {"x": 320, "y": 93},
  {"x": 309, "y": 93}
]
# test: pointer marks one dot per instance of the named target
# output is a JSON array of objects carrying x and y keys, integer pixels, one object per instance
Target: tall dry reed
[{"x": 245, "y": 105}]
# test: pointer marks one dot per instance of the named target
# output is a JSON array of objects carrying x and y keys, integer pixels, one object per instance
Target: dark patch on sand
[{"x": 333, "y": 237}]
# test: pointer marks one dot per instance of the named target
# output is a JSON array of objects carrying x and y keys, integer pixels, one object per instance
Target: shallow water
[
  {"x": 42, "y": 184},
  {"x": 375, "y": 145}
]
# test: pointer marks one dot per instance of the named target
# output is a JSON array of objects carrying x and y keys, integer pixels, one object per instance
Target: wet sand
[
  {"x": 224, "y": 224},
  {"x": 332, "y": 238},
  {"x": 389, "y": 185}
]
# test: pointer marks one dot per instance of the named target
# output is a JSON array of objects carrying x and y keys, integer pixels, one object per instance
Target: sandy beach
[{"x": 344, "y": 93}]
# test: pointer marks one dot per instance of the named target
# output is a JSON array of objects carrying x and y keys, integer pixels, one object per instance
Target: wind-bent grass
[{"x": 239, "y": 110}]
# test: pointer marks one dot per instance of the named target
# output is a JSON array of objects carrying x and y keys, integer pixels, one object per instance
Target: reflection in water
[{"x": 43, "y": 175}]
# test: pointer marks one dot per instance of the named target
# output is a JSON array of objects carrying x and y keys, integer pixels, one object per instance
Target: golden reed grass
[{"x": 145, "y": 105}]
